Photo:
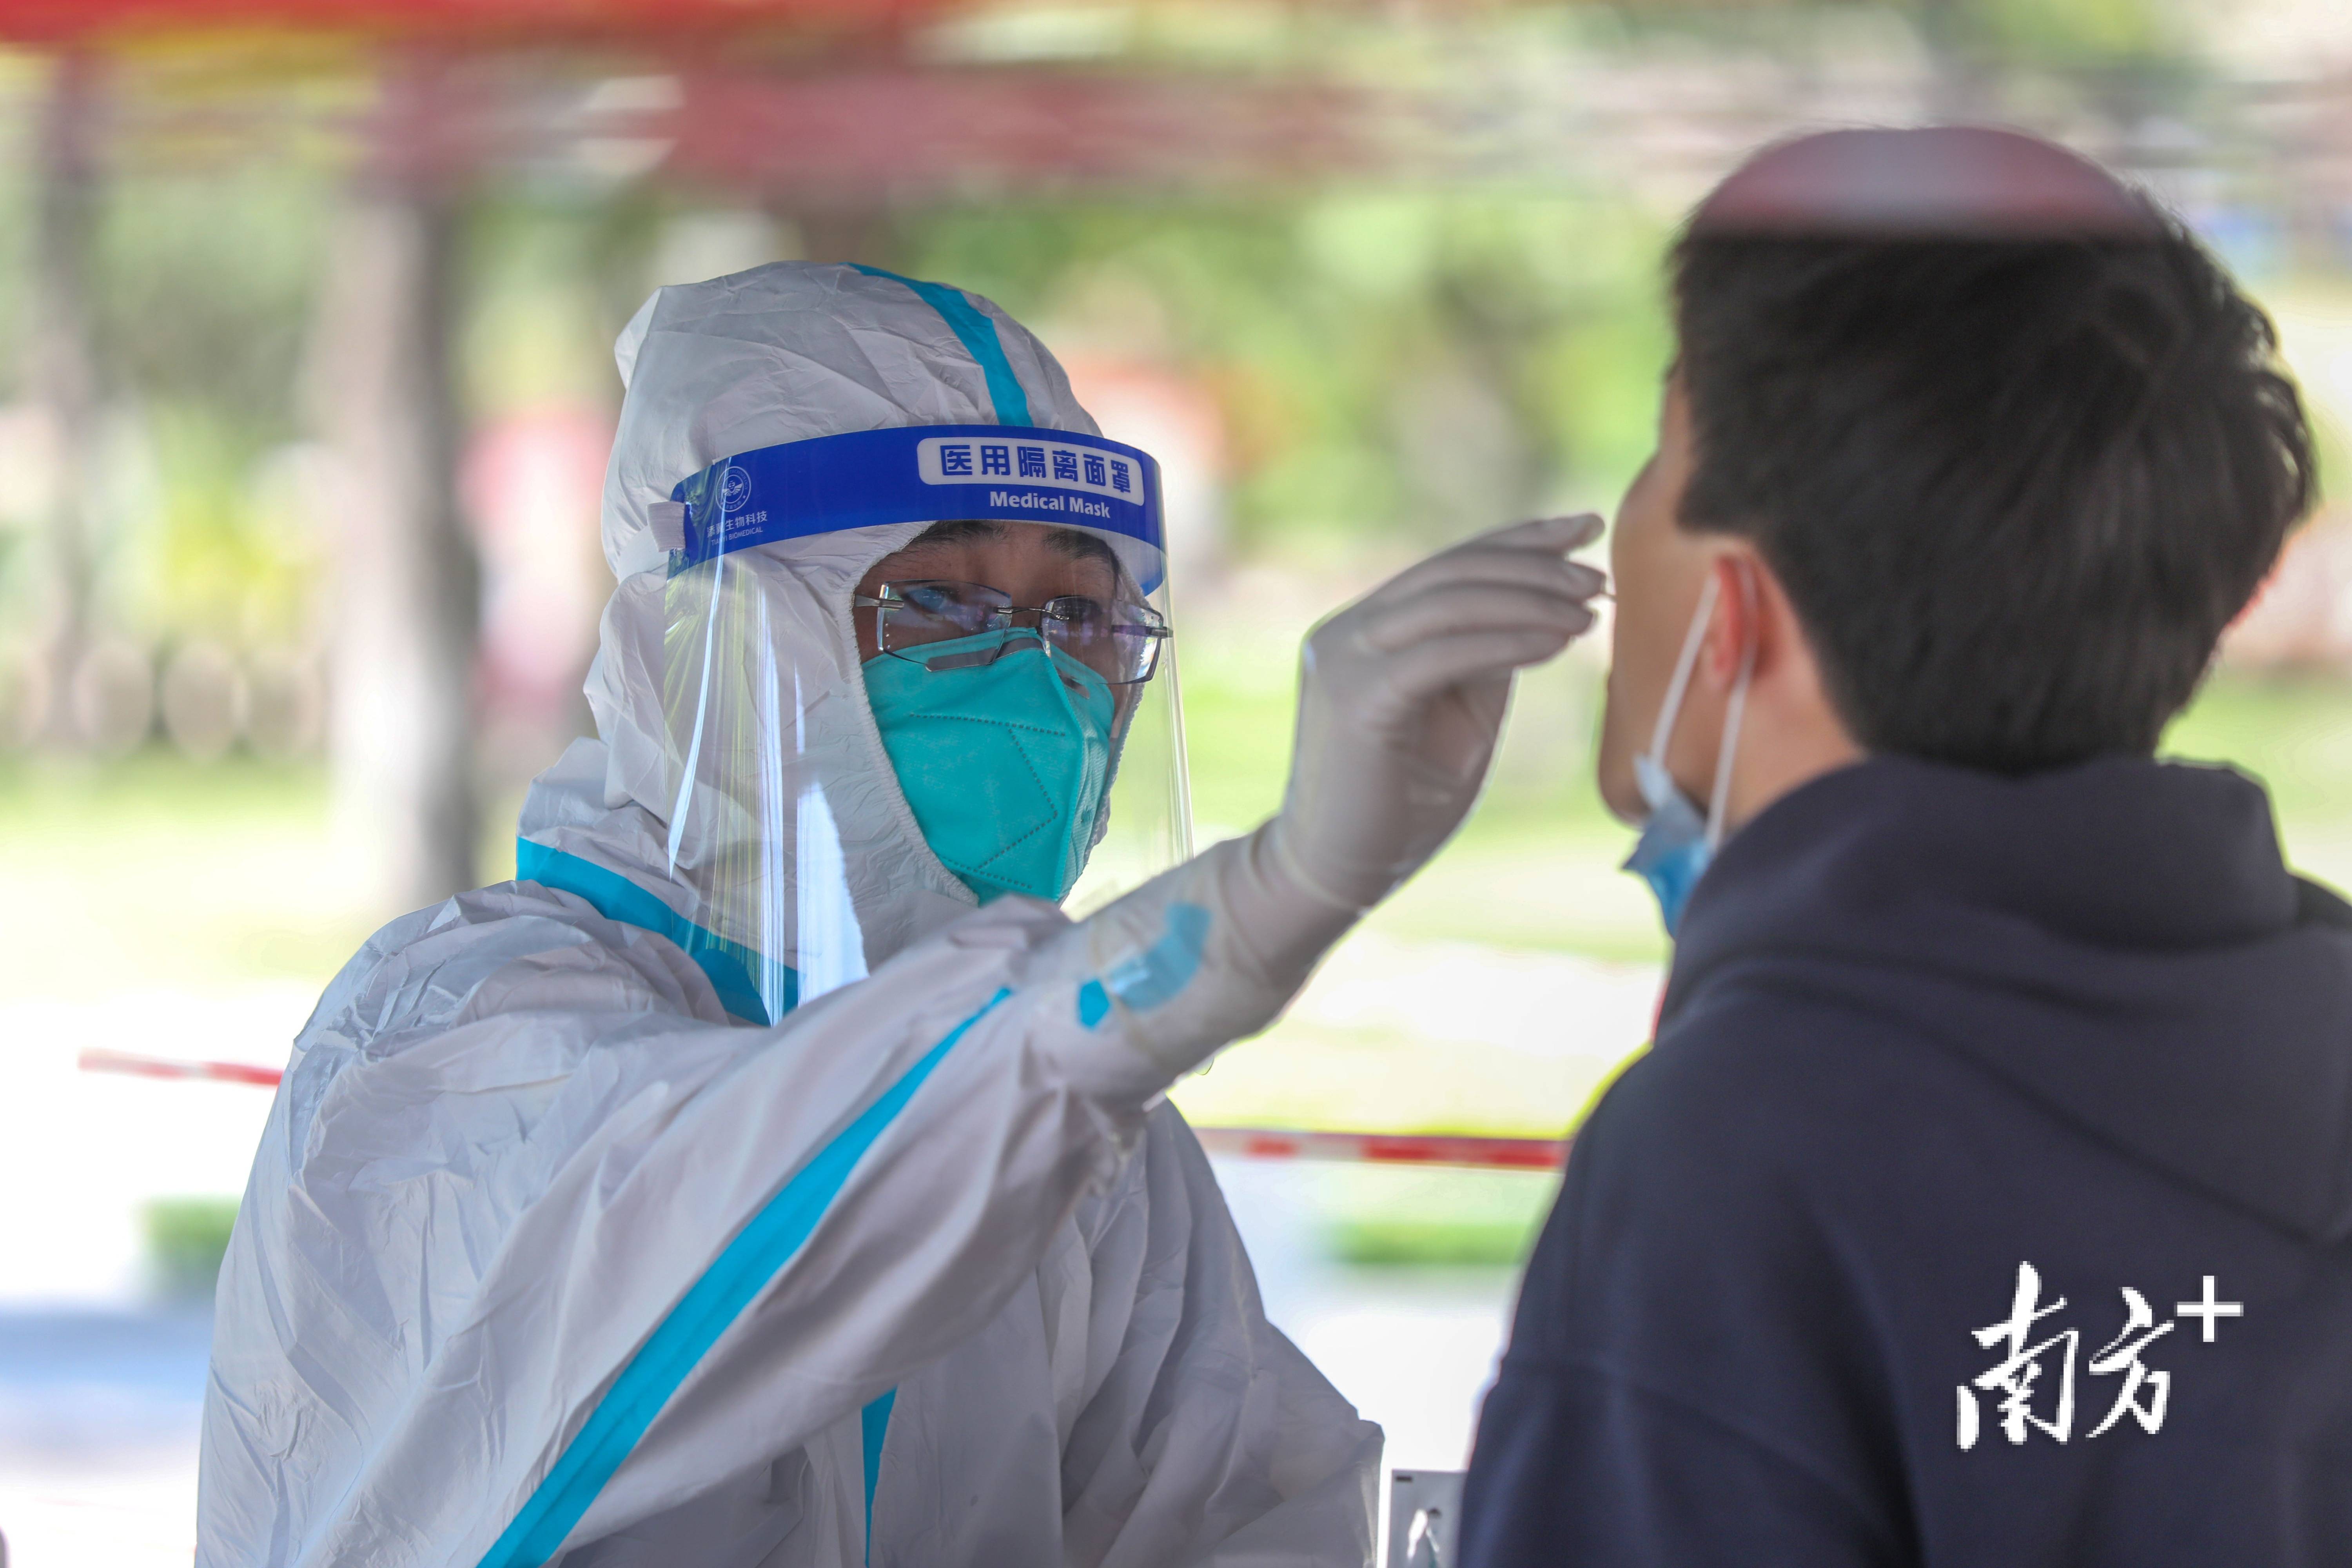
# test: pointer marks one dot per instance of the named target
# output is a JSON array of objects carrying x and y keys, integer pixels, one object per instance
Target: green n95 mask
[{"x": 1004, "y": 752}]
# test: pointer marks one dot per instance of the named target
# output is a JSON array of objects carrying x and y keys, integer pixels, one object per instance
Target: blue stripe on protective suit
[
  {"x": 729, "y": 965},
  {"x": 978, "y": 335},
  {"x": 617, "y": 898},
  {"x": 709, "y": 1307},
  {"x": 1150, "y": 977},
  {"x": 873, "y": 1429}
]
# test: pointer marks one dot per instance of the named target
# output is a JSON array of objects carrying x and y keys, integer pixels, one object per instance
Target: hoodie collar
[
  {"x": 2120, "y": 940},
  {"x": 2120, "y": 852}
]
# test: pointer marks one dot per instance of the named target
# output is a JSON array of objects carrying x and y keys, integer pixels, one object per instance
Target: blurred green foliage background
[{"x": 1394, "y": 358}]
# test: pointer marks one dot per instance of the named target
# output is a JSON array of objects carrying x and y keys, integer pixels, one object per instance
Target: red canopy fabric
[
  {"x": 818, "y": 99},
  {"x": 134, "y": 23}
]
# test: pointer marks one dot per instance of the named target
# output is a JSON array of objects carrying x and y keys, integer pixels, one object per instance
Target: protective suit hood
[{"x": 795, "y": 350}]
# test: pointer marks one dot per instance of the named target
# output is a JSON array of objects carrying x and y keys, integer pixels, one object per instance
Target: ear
[{"x": 1746, "y": 600}]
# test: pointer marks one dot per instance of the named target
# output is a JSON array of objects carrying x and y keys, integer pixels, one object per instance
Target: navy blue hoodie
[{"x": 1896, "y": 1247}]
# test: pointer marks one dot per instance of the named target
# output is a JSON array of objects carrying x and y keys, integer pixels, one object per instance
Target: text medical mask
[
  {"x": 1004, "y": 752},
  {"x": 1678, "y": 843}
]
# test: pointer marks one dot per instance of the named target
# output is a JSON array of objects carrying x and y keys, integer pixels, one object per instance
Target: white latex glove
[
  {"x": 1398, "y": 716},
  {"x": 1401, "y": 700}
]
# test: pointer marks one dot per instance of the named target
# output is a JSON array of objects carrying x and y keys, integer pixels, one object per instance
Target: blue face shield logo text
[{"x": 1004, "y": 753}]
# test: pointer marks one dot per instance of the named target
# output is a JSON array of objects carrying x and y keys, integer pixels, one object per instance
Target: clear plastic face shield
[{"x": 862, "y": 740}]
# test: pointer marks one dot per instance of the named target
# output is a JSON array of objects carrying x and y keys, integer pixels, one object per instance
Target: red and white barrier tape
[
  {"x": 95, "y": 1060},
  {"x": 1235, "y": 1142},
  {"x": 1385, "y": 1148}
]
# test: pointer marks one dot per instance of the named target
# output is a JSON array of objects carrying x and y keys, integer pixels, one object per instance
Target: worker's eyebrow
[
  {"x": 1079, "y": 546},
  {"x": 959, "y": 530}
]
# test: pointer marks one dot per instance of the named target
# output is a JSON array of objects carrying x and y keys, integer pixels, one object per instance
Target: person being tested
[
  {"x": 775, "y": 1173},
  {"x": 1982, "y": 1202}
]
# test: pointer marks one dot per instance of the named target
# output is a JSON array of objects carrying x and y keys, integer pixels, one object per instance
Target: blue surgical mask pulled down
[
  {"x": 1005, "y": 752},
  {"x": 1677, "y": 842}
]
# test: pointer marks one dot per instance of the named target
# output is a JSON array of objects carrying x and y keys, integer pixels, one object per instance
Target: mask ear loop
[
  {"x": 1684, "y": 664},
  {"x": 1734, "y": 710}
]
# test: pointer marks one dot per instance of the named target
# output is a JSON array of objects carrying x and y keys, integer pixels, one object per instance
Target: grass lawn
[
  {"x": 170, "y": 873},
  {"x": 157, "y": 873}
]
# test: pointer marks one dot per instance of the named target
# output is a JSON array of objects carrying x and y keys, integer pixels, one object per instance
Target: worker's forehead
[
  {"x": 992, "y": 534},
  {"x": 1945, "y": 182}
]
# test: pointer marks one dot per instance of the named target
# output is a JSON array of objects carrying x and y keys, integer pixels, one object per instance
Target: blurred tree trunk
[
  {"x": 832, "y": 230},
  {"x": 1959, "y": 85},
  {"x": 406, "y": 614},
  {"x": 60, "y": 377}
]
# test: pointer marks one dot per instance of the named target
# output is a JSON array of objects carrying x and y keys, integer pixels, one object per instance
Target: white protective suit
[{"x": 543, "y": 1258}]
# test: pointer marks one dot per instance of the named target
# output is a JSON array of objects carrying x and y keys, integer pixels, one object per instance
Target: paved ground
[
  {"x": 1411, "y": 1347},
  {"x": 97, "y": 1435}
]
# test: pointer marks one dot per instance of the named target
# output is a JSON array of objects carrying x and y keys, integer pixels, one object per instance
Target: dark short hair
[{"x": 2015, "y": 489}]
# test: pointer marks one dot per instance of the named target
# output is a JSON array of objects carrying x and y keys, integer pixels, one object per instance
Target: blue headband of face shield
[{"x": 926, "y": 473}]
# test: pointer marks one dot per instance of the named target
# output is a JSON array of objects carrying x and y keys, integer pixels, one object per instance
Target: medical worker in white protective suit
[{"x": 775, "y": 1173}]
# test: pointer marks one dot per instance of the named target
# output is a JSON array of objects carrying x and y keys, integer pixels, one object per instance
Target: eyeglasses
[{"x": 1120, "y": 642}]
